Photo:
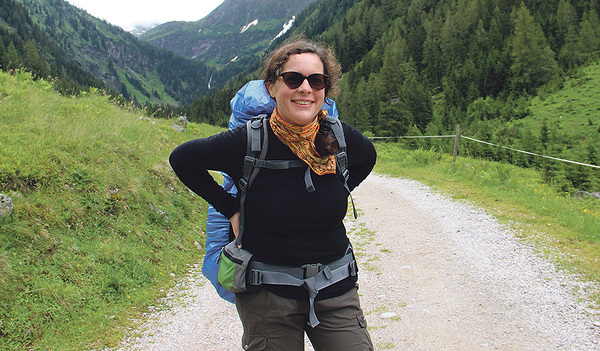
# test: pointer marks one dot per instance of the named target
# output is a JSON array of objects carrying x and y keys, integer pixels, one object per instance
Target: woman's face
[{"x": 299, "y": 106}]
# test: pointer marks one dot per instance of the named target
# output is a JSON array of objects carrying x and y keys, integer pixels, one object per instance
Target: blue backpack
[{"x": 250, "y": 101}]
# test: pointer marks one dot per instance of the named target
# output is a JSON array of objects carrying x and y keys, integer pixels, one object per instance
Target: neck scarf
[{"x": 301, "y": 140}]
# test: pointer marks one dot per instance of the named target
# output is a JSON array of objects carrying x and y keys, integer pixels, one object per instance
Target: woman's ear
[{"x": 271, "y": 89}]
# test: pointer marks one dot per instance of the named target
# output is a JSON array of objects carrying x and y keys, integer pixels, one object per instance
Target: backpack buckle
[
  {"x": 353, "y": 268},
  {"x": 256, "y": 277},
  {"x": 342, "y": 162},
  {"x": 249, "y": 160},
  {"x": 257, "y": 121},
  {"x": 243, "y": 185},
  {"x": 346, "y": 175},
  {"x": 311, "y": 269}
]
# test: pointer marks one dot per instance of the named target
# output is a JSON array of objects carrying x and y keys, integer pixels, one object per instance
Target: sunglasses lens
[
  {"x": 293, "y": 80},
  {"x": 317, "y": 81}
]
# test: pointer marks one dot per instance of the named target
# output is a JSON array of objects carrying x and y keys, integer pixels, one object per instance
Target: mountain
[
  {"x": 139, "y": 70},
  {"x": 24, "y": 44},
  {"x": 236, "y": 30},
  {"x": 140, "y": 29}
]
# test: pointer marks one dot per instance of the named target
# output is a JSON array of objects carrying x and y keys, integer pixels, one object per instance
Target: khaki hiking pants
[{"x": 275, "y": 323}]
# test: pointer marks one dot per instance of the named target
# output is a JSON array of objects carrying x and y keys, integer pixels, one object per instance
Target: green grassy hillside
[
  {"x": 100, "y": 223},
  {"x": 571, "y": 114},
  {"x": 563, "y": 124},
  {"x": 576, "y": 107}
]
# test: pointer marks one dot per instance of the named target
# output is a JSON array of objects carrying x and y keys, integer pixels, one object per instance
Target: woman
[{"x": 284, "y": 224}]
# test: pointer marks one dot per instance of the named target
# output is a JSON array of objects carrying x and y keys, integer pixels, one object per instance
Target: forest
[
  {"x": 52, "y": 38},
  {"x": 23, "y": 44},
  {"x": 474, "y": 63}
]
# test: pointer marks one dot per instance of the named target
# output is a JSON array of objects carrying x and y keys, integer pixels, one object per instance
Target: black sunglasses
[{"x": 293, "y": 80}]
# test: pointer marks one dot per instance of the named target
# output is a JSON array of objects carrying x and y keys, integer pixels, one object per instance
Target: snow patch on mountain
[
  {"x": 246, "y": 27},
  {"x": 286, "y": 27}
]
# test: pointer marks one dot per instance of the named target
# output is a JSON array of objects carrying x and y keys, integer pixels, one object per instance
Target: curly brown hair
[{"x": 279, "y": 57}]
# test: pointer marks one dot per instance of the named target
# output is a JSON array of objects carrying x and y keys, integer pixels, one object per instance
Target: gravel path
[{"x": 436, "y": 274}]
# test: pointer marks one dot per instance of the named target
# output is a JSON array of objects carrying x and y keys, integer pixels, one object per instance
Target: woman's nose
[{"x": 305, "y": 86}]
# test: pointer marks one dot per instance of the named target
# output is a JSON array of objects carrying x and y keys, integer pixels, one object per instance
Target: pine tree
[
  {"x": 435, "y": 143},
  {"x": 415, "y": 33},
  {"x": 414, "y": 143},
  {"x": 533, "y": 60},
  {"x": 569, "y": 55},
  {"x": 377, "y": 26},
  {"x": 2, "y": 54},
  {"x": 393, "y": 120},
  {"x": 418, "y": 101},
  {"x": 12, "y": 58},
  {"x": 33, "y": 61},
  {"x": 451, "y": 44},
  {"x": 432, "y": 52},
  {"x": 461, "y": 85},
  {"x": 589, "y": 36},
  {"x": 566, "y": 22},
  {"x": 592, "y": 152},
  {"x": 394, "y": 57},
  {"x": 544, "y": 134}
]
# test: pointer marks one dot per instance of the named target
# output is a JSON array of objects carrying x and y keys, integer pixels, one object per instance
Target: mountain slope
[
  {"x": 137, "y": 69},
  {"x": 236, "y": 29},
  {"x": 24, "y": 44}
]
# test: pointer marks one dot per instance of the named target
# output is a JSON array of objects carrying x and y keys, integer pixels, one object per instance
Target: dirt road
[{"x": 435, "y": 274}]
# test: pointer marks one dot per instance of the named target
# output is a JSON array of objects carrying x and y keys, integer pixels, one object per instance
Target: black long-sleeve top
[{"x": 284, "y": 224}]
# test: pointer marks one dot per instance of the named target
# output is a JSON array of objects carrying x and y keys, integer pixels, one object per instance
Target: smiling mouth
[{"x": 302, "y": 102}]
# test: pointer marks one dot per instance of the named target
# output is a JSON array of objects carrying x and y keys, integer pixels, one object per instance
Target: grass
[
  {"x": 100, "y": 224},
  {"x": 385, "y": 346},
  {"x": 565, "y": 229},
  {"x": 575, "y": 107}
]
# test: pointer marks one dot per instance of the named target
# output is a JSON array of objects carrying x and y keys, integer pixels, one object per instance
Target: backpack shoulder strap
[
  {"x": 336, "y": 126},
  {"x": 341, "y": 158},
  {"x": 256, "y": 149}
]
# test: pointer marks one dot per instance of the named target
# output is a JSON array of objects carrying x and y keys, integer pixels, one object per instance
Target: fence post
[{"x": 456, "y": 143}]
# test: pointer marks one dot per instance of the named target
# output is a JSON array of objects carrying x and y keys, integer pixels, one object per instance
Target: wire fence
[
  {"x": 486, "y": 143},
  {"x": 531, "y": 153},
  {"x": 414, "y": 137}
]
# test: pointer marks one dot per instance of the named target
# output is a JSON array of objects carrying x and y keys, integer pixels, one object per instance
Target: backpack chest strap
[{"x": 273, "y": 164}]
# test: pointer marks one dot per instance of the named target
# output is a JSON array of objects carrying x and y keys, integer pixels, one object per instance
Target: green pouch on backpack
[{"x": 232, "y": 267}]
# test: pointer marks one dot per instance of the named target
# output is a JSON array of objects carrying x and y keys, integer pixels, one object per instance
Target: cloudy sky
[{"x": 127, "y": 13}]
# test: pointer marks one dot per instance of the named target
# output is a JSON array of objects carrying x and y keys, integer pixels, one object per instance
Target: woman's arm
[{"x": 223, "y": 152}]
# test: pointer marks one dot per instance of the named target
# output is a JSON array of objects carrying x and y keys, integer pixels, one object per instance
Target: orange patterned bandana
[{"x": 301, "y": 140}]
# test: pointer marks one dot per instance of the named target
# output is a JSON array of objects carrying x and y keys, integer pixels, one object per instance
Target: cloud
[{"x": 128, "y": 13}]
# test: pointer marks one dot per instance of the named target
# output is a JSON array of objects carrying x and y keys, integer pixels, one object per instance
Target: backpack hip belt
[{"x": 312, "y": 277}]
